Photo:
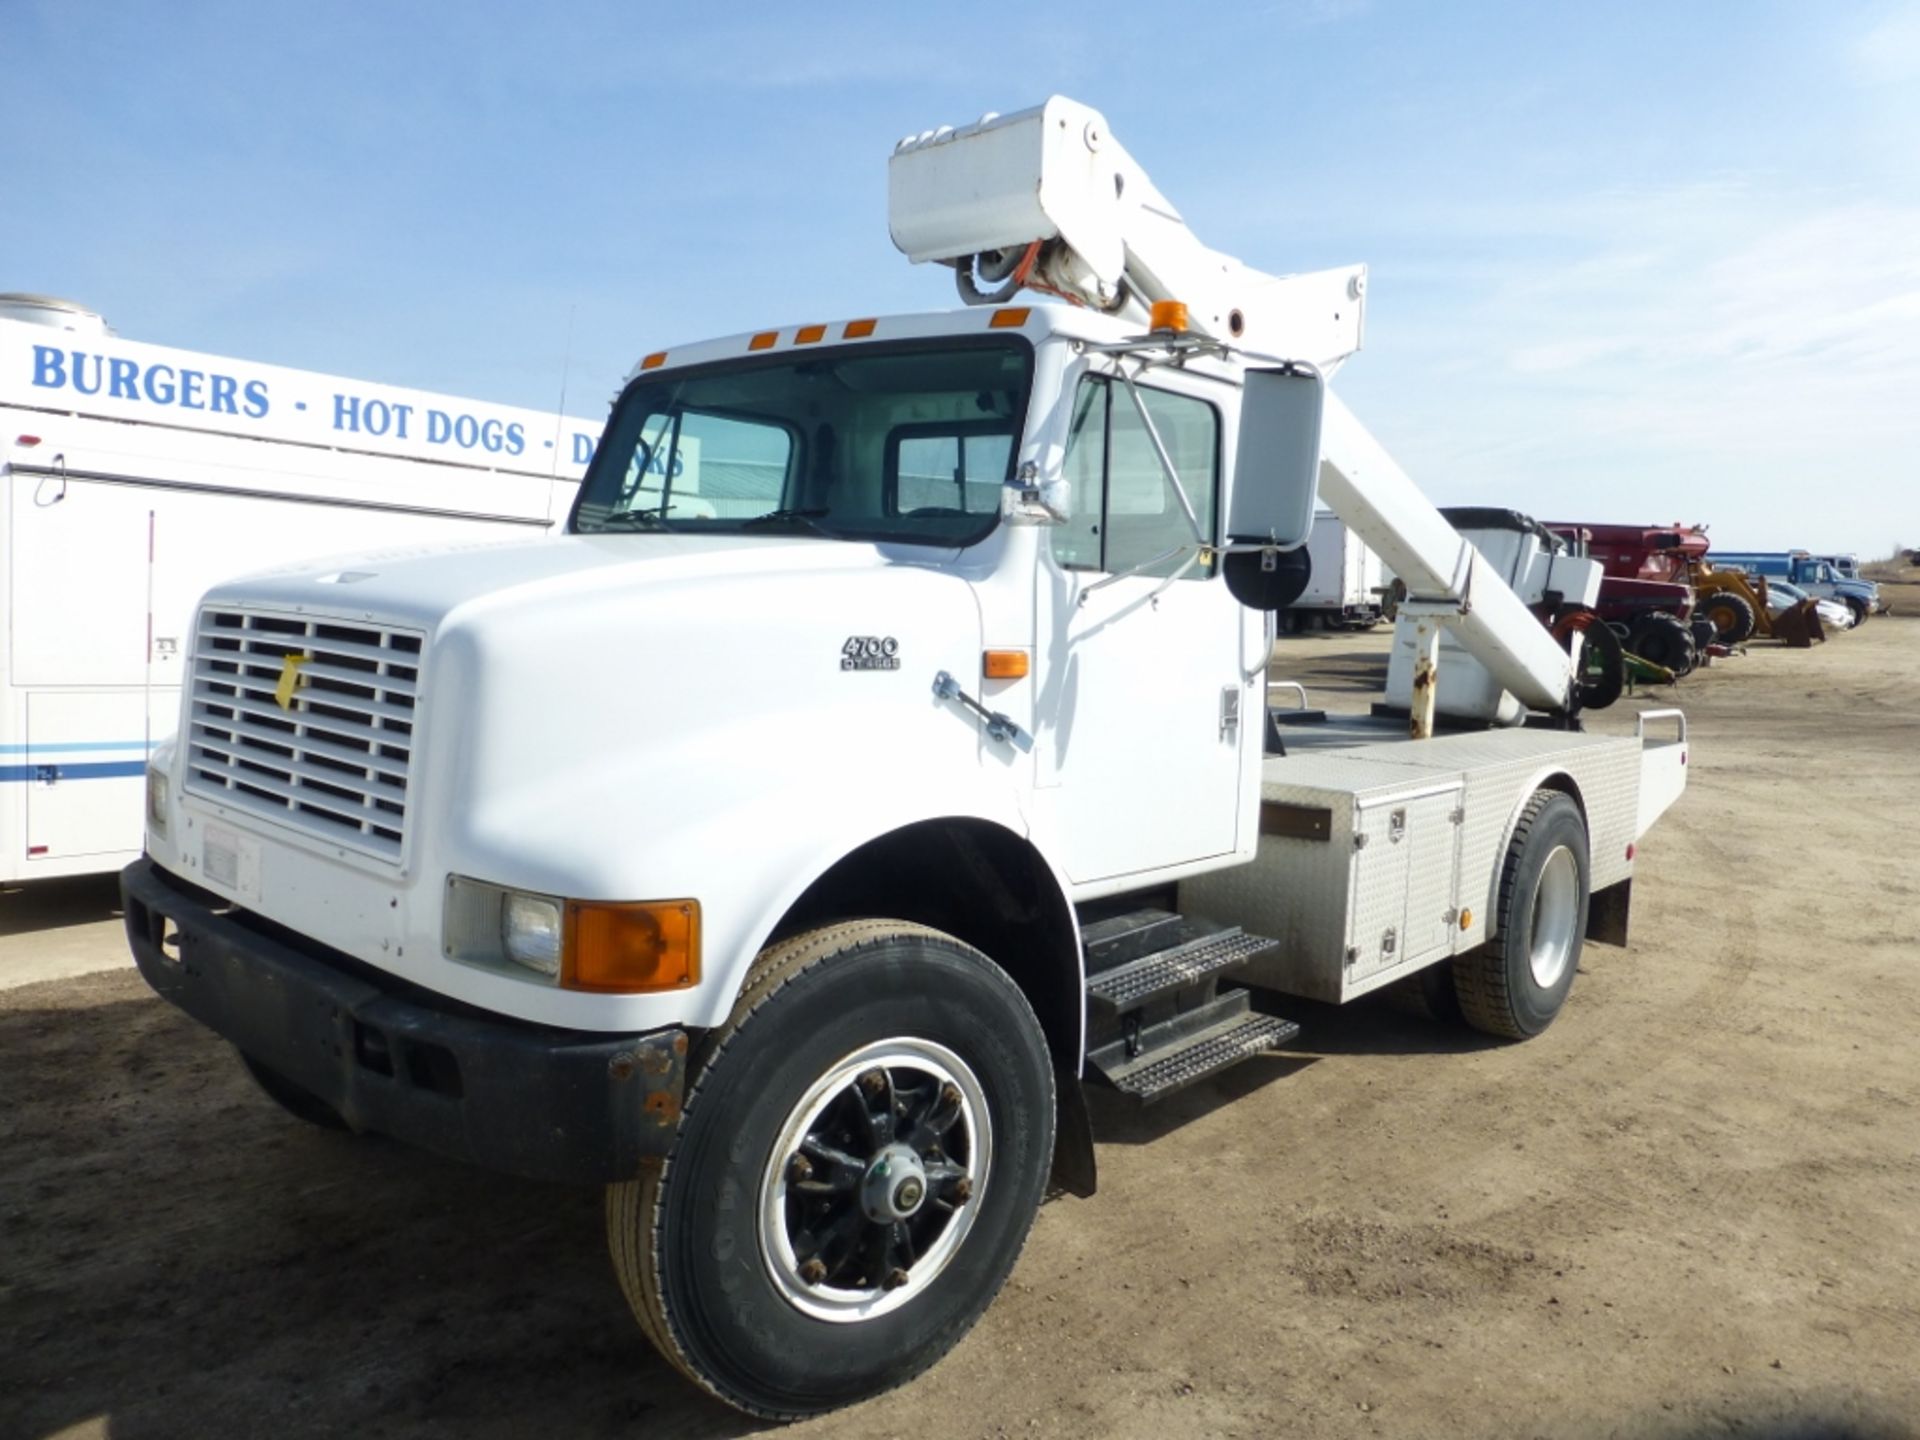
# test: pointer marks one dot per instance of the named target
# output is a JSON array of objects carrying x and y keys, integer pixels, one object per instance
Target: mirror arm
[
  {"x": 1166, "y": 461},
  {"x": 1147, "y": 564}
]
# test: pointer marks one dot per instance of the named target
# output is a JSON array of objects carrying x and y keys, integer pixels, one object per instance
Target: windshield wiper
[
  {"x": 632, "y": 517},
  {"x": 780, "y": 517}
]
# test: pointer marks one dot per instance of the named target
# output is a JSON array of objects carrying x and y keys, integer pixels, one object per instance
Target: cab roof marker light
[
  {"x": 654, "y": 361},
  {"x": 809, "y": 334},
  {"x": 1009, "y": 319},
  {"x": 765, "y": 340},
  {"x": 858, "y": 329}
]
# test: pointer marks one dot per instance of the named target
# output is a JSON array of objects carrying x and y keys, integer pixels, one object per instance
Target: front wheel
[
  {"x": 862, "y": 1152},
  {"x": 1733, "y": 618},
  {"x": 1860, "y": 610}
]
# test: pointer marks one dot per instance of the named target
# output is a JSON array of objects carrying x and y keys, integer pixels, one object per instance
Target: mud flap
[
  {"x": 1608, "y": 911},
  {"x": 1073, "y": 1164}
]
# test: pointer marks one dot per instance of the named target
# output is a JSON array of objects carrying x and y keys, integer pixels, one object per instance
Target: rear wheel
[
  {"x": 1731, "y": 615},
  {"x": 1665, "y": 641},
  {"x": 1515, "y": 984},
  {"x": 861, "y": 1154},
  {"x": 1860, "y": 610}
]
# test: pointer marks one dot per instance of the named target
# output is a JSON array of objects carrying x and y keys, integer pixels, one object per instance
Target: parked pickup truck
[{"x": 1811, "y": 573}]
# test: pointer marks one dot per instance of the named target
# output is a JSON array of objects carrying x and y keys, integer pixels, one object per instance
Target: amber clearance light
[{"x": 627, "y": 949}]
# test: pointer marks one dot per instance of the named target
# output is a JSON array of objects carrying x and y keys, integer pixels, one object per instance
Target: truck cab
[{"x": 1814, "y": 575}]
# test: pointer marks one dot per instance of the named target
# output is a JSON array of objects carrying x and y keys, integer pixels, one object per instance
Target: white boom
[{"x": 1047, "y": 198}]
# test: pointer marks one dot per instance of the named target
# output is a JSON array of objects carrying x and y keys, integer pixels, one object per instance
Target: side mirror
[
  {"x": 1027, "y": 499},
  {"x": 1276, "y": 483}
]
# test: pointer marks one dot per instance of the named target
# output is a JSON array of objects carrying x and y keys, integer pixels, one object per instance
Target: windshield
[{"x": 909, "y": 442}]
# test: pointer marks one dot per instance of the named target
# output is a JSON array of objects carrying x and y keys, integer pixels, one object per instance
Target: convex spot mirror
[{"x": 1276, "y": 485}]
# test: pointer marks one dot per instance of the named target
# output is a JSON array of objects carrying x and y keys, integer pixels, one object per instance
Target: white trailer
[
  {"x": 1346, "y": 584},
  {"x": 788, "y": 844},
  {"x": 134, "y": 476}
]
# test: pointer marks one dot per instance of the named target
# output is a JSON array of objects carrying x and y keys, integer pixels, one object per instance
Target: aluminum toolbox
[{"x": 1380, "y": 856}]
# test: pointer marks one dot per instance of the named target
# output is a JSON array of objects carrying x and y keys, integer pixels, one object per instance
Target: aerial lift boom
[{"x": 1046, "y": 199}]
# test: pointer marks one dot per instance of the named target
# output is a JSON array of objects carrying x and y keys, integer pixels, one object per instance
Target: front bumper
[{"x": 395, "y": 1060}]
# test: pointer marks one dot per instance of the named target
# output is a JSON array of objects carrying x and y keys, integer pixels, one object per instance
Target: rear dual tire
[
  {"x": 1515, "y": 984},
  {"x": 798, "y": 1250}
]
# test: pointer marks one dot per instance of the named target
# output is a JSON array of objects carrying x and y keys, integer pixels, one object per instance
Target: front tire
[
  {"x": 1515, "y": 984},
  {"x": 863, "y": 1148},
  {"x": 1732, "y": 617}
]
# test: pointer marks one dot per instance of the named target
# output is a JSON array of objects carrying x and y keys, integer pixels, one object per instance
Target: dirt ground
[{"x": 1691, "y": 1208}]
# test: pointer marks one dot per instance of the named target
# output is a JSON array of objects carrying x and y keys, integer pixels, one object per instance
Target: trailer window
[
  {"x": 1125, "y": 513},
  {"x": 909, "y": 442}
]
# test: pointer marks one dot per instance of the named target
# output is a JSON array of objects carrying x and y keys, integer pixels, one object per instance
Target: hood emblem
[{"x": 290, "y": 680}]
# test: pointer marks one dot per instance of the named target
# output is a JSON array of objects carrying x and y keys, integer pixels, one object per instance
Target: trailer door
[{"x": 85, "y": 762}]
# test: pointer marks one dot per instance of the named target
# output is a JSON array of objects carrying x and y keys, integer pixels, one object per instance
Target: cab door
[{"x": 1138, "y": 724}]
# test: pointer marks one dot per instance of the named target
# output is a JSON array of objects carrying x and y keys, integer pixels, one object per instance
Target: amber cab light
[
  {"x": 1005, "y": 664},
  {"x": 1009, "y": 319},
  {"x": 1168, "y": 316},
  {"x": 630, "y": 949}
]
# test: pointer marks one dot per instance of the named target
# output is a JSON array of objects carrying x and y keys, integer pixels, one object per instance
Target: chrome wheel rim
[
  {"x": 875, "y": 1179},
  {"x": 1556, "y": 913}
]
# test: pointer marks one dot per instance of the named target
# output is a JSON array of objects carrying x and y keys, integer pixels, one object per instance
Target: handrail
[
  {"x": 1640, "y": 722},
  {"x": 1294, "y": 685}
]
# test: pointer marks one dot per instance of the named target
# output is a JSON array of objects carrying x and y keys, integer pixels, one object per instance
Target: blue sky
[{"x": 1637, "y": 262}]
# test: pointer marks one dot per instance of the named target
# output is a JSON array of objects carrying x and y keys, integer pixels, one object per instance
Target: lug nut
[
  {"x": 813, "y": 1272},
  {"x": 962, "y": 1190},
  {"x": 873, "y": 1082},
  {"x": 895, "y": 1279},
  {"x": 950, "y": 1094},
  {"x": 799, "y": 1168}
]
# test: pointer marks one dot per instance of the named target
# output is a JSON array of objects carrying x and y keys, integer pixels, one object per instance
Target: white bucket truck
[
  {"x": 133, "y": 476},
  {"x": 786, "y": 845}
]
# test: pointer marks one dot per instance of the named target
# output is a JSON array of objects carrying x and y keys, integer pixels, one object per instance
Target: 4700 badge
[{"x": 870, "y": 652}]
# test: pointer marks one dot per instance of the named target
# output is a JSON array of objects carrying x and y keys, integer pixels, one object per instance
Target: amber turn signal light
[
  {"x": 1005, "y": 664},
  {"x": 630, "y": 949}
]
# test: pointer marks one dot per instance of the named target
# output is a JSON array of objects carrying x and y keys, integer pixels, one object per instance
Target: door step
[
  {"x": 1190, "y": 1048},
  {"x": 1130, "y": 985},
  {"x": 1156, "y": 1018}
]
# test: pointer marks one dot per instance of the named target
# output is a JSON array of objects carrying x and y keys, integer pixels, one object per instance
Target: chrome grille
[{"x": 333, "y": 760}]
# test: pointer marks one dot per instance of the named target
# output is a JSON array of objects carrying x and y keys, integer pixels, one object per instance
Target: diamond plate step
[
  {"x": 1154, "y": 1076},
  {"x": 1128, "y": 985}
]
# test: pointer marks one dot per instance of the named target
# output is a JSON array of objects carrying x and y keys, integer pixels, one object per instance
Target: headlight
[
  {"x": 530, "y": 932},
  {"x": 157, "y": 761},
  {"x": 611, "y": 947}
]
